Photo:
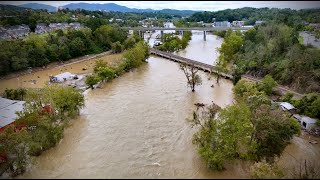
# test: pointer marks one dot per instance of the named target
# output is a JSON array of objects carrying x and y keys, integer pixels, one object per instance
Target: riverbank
[
  {"x": 54, "y": 65},
  {"x": 83, "y": 65}
]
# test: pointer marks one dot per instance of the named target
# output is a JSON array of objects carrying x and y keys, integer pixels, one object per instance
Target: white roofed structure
[
  {"x": 286, "y": 106},
  {"x": 8, "y": 109},
  {"x": 62, "y": 77}
]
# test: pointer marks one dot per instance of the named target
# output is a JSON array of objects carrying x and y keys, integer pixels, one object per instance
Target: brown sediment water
[{"x": 135, "y": 127}]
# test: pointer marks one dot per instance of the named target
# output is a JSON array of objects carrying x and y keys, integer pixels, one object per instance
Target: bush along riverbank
[
  {"x": 39, "y": 127},
  {"x": 132, "y": 58}
]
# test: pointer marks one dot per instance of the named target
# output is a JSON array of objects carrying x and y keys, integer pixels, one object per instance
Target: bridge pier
[
  {"x": 182, "y": 32},
  {"x": 161, "y": 35},
  {"x": 204, "y": 35},
  {"x": 141, "y": 34}
]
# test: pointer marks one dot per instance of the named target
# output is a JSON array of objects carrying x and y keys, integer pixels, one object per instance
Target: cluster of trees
[
  {"x": 271, "y": 49},
  {"x": 39, "y": 126},
  {"x": 173, "y": 43},
  {"x": 132, "y": 58},
  {"x": 308, "y": 105},
  {"x": 274, "y": 49},
  {"x": 91, "y": 19},
  {"x": 250, "y": 129},
  {"x": 15, "y": 94},
  {"x": 290, "y": 17},
  {"x": 39, "y": 50}
]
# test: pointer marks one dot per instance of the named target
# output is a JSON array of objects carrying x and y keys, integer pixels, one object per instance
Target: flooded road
[{"x": 135, "y": 127}]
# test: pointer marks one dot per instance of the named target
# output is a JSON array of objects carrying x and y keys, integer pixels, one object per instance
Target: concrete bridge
[
  {"x": 141, "y": 30},
  {"x": 197, "y": 64}
]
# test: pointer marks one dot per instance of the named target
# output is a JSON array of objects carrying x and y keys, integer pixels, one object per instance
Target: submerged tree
[{"x": 191, "y": 74}]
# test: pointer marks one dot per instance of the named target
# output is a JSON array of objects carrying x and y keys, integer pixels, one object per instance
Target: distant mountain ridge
[
  {"x": 4, "y": 7},
  {"x": 106, "y": 7},
  {"x": 39, "y": 6}
]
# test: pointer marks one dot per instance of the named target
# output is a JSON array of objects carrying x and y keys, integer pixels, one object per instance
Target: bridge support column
[
  {"x": 204, "y": 35},
  {"x": 182, "y": 32},
  {"x": 161, "y": 35},
  {"x": 142, "y": 34}
]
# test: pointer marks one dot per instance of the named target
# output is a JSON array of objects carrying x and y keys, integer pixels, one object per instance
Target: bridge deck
[
  {"x": 185, "y": 28},
  {"x": 199, "y": 65}
]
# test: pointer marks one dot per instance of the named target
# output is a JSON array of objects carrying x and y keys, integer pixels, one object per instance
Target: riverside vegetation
[
  {"x": 40, "y": 125},
  {"x": 132, "y": 58},
  {"x": 47, "y": 111},
  {"x": 251, "y": 129}
]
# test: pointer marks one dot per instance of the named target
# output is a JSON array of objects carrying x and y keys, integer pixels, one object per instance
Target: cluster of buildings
[
  {"x": 115, "y": 20},
  {"x": 20, "y": 31},
  {"x": 233, "y": 24},
  {"x": 306, "y": 122},
  {"x": 43, "y": 28},
  {"x": 14, "y": 32}
]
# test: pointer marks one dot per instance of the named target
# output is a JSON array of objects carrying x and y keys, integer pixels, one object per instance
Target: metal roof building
[
  {"x": 8, "y": 109},
  {"x": 286, "y": 106}
]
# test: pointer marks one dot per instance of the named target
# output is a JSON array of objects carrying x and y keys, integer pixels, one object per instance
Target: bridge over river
[
  {"x": 141, "y": 30},
  {"x": 211, "y": 68},
  {"x": 197, "y": 64}
]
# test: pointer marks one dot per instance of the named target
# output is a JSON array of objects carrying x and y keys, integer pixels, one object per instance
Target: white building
[
  {"x": 259, "y": 22},
  {"x": 305, "y": 121},
  {"x": 237, "y": 23},
  {"x": 287, "y": 107},
  {"x": 222, "y": 24}
]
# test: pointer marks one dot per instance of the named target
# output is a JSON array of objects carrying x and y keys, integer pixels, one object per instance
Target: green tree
[
  {"x": 224, "y": 137},
  {"x": 267, "y": 84},
  {"x": 263, "y": 170},
  {"x": 92, "y": 80},
  {"x": 273, "y": 132},
  {"x": 14, "y": 143},
  {"x": 117, "y": 47},
  {"x": 105, "y": 73}
]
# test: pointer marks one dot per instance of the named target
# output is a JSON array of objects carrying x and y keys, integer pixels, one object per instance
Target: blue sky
[{"x": 189, "y": 5}]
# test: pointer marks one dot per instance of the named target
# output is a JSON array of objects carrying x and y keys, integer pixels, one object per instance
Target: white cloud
[{"x": 189, "y": 5}]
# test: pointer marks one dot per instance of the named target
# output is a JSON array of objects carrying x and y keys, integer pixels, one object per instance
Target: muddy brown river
[{"x": 135, "y": 127}]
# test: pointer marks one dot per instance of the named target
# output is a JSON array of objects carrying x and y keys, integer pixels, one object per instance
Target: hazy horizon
[{"x": 187, "y": 5}]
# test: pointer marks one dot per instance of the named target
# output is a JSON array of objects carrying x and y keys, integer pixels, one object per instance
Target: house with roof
[
  {"x": 18, "y": 31},
  {"x": 305, "y": 121},
  {"x": 41, "y": 28},
  {"x": 288, "y": 107},
  {"x": 259, "y": 22},
  {"x": 222, "y": 24},
  {"x": 237, "y": 23},
  {"x": 8, "y": 109}
]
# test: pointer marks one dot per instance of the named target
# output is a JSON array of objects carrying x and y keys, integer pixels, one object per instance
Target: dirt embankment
[{"x": 55, "y": 64}]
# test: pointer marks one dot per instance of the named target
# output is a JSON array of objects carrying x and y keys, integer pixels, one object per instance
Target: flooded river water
[{"x": 135, "y": 126}]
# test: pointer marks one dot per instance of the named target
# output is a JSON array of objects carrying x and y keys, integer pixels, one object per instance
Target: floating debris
[
  {"x": 313, "y": 142},
  {"x": 158, "y": 164}
]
